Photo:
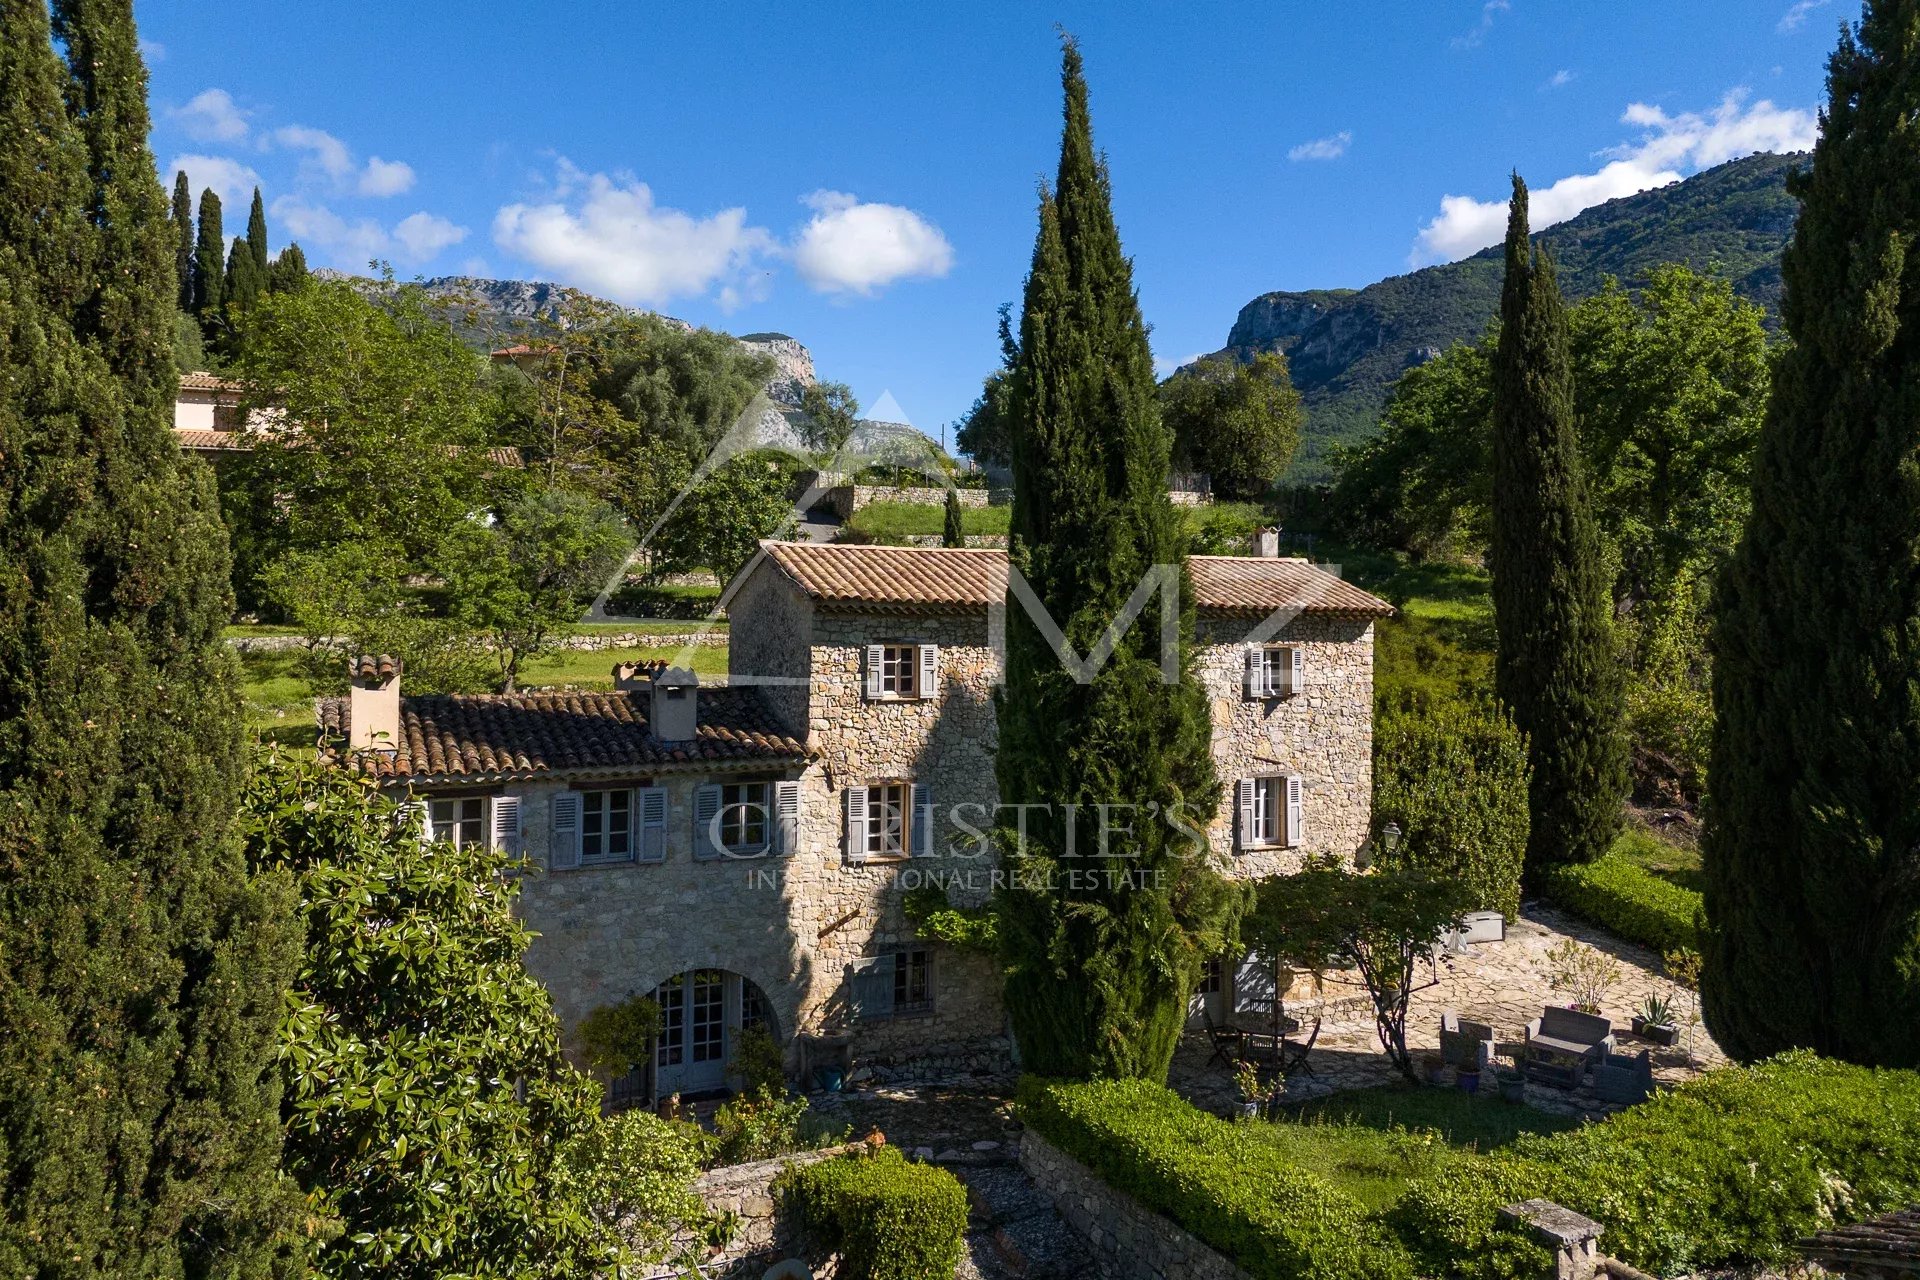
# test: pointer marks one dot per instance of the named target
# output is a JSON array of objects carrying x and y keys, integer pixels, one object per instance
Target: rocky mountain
[{"x": 1346, "y": 346}]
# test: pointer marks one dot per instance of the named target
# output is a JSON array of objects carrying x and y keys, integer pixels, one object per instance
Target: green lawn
[
  {"x": 274, "y": 690},
  {"x": 649, "y": 626},
  {"x": 888, "y": 520},
  {"x": 1676, "y": 863},
  {"x": 239, "y": 630}
]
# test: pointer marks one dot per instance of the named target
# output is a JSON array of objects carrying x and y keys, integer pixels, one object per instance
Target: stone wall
[
  {"x": 745, "y": 1190},
  {"x": 846, "y": 499},
  {"x": 1128, "y": 1240}
]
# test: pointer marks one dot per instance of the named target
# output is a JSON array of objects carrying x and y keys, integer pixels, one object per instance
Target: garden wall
[
  {"x": 743, "y": 1189},
  {"x": 1128, "y": 1240},
  {"x": 849, "y": 498}
]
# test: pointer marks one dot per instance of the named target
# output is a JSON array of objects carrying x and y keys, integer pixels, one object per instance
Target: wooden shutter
[
  {"x": 650, "y": 819},
  {"x": 564, "y": 853},
  {"x": 506, "y": 824},
  {"x": 857, "y": 819},
  {"x": 922, "y": 797},
  {"x": 1296, "y": 670},
  {"x": 870, "y": 988},
  {"x": 786, "y": 818},
  {"x": 706, "y": 807},
  {"x": 1255, "y": 685},
  {"x": 929, "y": 682},
  {"x": 1296, "y": 805},
  {"x": 1243, "y": 802},
  {"x": 876, "y": 657}
]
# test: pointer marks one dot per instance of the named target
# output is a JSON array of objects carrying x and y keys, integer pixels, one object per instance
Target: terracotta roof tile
[
  {"x": 485, "y": 737},
  {"x": 946, "y": 579},
  {"x": 196, "y": 438},
  {"x": 200, "y": 380}
]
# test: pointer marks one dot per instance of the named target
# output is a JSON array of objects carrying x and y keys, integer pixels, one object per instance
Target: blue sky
[{"x": 863, "y": 178}]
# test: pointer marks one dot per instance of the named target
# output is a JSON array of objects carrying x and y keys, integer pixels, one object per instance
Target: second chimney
[
  {"x": 1266, "y": 541},
  {"x": 373, "y": 703},
  {"x": 675, "y": 712}
]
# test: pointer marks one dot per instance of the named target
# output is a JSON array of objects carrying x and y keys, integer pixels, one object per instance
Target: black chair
[{"x": 1228, "y": 1047}]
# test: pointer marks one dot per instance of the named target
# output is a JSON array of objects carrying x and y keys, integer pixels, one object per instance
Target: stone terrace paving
[{"x": 1504, "y": 984}]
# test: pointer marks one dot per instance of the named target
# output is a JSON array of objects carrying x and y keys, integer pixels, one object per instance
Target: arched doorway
[{"x": 702, "y": 1012}]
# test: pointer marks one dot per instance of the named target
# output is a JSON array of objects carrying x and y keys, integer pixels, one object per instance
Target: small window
[
  {"x": 912, "y": 982},
  {"x": 1212, "y": 977},
  {"x": 899, "y": 670},
  {"x": 899, "y": 984},
  {"x": 606, "y": 826},
  {"x": 745, "y": 816},
  {"x": 461, "y": 821},
  {"x": 1265, "y": 825},
  {"x": 889, "y": 817},
  {"x": 1271, "y": 811}
]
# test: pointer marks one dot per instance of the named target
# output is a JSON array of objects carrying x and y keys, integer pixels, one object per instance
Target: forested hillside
[{"x": 1346, "y": 347}]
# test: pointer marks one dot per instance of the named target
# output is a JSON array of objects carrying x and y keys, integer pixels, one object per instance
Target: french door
[{"x": 702, "y": 1012}]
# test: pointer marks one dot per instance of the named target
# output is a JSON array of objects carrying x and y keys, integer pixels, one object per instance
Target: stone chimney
[
  {"x": 373, "y": 703},
  {"x": 675, "y": 711},
  {"x": 1266, "y": 541}
]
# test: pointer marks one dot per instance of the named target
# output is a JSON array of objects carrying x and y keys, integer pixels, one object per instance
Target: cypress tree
[
  {"x": 257, "y": 235},
  {"x": 144, "y": 971},
  {"x": 1812, "y": 843},
  {"x": 1099, "y": 967},
  {"x": 183, "y": 241},
  {"x": 209, "y": 271},
  {"x": 955, "y": 533},
  {"x": 1555, "y": 666},
  {"x": 245, "y": 282},
  {"x": 289, "y": 270}
]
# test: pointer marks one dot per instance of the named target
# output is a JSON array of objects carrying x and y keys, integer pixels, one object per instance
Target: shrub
[
  {"x": 1221, "y": 1181},
  {"x": 1730, "y": 1169},
  {"x": 758, "y": 1126},
  {"x": 1453, "y": 774},
  {"x": 888, "y": 1219},
  {"x": 1629, "y": 902},
  {"x": 634, "y": 1171},
  {"x": 616, "y": 1036}
]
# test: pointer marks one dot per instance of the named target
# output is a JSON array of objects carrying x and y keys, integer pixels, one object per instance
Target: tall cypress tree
[
  {"x": 1556, "y": 666},
  {"x": 954, "y": 533},
  {"x": 245, "y": 281},
  {"x": 183, "y": 241},
  {"x": 289, "y": 270},
  {"x": 1102, "y": 950},
  {"x": 257, "y": 235},
  {"x": 209, "y": 269},
  {"x": 1812, "y": 843},
  {"x": 144, "y": 971}
]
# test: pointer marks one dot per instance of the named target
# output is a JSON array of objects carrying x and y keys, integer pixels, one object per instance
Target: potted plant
[
  {"x": 1654, "y": 1021},
  {"x": 1431, "y": 1065},
  {"x": 1253, "y": 1094},
  {"x": 1512, "y": 1083},
  {"x": 1469, "y": 1079}
]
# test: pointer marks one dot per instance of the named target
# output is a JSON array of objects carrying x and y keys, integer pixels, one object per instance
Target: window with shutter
[
  {"x": 706, "y": 812},
  {"x": 563, "y": 852},
  {"x": 606, "y": 825},
  {"x": 870, "y": 988},
  {"x": 653, "y": 823},
  {"x": 786, "y": 817},
  {"x": 459, "y": 820},
  {"x": 1269, "y": 811},
  {"x": 1280, "y": 670}
]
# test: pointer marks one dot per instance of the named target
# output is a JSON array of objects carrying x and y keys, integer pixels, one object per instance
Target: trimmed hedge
[
  {"x": 887, "y": 1218},
  {"x": 1629, "y": 902},
  {"x": 1729, "y": 1169},
  {"x": 1216, "y": 1179}
]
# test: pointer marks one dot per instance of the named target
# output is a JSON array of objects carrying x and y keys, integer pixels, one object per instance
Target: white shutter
[
  {"x": 1243, "y": 801},
  {"x": 706, "y": 807},
  {"x": 506, "y": 824},
  {"x": 929, "y": 671},
  {"x": 651, "y": 820},
  {"x": 1296, "y": 668},
  {"x": 1256, "y": 680},
  {"x": 875, "y": 657},
  {"x": 1296, "y": 805},
  {"x": 857, "y": 818},
  {"x": 786, "y": 818},
  {"x": 564, "y": 853},
  {"x": 922, "y": 821}
]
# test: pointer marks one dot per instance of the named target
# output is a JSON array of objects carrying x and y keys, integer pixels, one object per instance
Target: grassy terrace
[{"x": 899, "y": 520}]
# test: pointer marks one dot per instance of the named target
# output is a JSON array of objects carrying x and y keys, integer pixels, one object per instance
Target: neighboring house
[{"x": 741, "y": 852}]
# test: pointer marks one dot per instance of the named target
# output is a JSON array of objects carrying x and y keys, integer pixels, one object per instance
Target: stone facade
[{"x": 1128, "y": 1240}]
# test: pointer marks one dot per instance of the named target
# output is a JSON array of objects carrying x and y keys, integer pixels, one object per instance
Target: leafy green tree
[
  {"x": 1238, "y": 422},
  {"x": 288, "y": 270},
  {"x": 189, "y": 348},
  {"x": 985, "y": 433},
  {"x": 428, "y": 1105},
  {"x": 520, "y": 583},
  {"x": 209, "y": 266},
  {"x": 1555, "y": 668},
  {"x": 1100, "y": 961},
  {"x": 1453, "y": 775},
  {"x": 144, "y": 969},
  {"x": 257, "y": 236},
  {"x": 829, "y": 414},
  {"x": 182, "y": 217},
  {"x": 721, "y": 523},
  {"x": 954, "y": 534},
  {"x": 1812, "y": 868}
]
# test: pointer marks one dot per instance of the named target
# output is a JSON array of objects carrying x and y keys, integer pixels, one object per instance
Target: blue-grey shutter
[
  {"x": 506, "y": 824},
  {"x": 706, "y": 807},
  {"x": 786, "y": 818},
  {"x": 857, "y": 819},
  {"x": 874, "y": 659},
  {"x": 1296, "y": 809},
  {"x": 563, "y": 852},
  {"x": 1255, "y": 684},
  {"x": 871, "y": 988},
  {"x": 1243, "y": 807},
  {"x": 929, "y": 681},
  {"x": 1296, "y": 670},
  {"x": 922, "y": 797},
  {"x": 650, "y": 804}
]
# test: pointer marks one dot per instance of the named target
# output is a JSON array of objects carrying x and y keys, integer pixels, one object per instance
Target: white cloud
[
  {"x": 1561, "y": 79},
  {"x": 851, "y": 247},
  {"x": 421, "y": 235},
  {"x": 327, "y": 153},
  {"x": 211, "y": 116},
  {"x": 385, "y": 177},
  {"x": 1488, "y": 11},
  {"x": 153, "y": 51},
  {"x": 615, "y": 241},
  {"x": 1670, "y": 147},
  {"x": 1331, "y": 147},
  {"x": 1796, "y": 17},
  {"x": 232, "y": 181}
]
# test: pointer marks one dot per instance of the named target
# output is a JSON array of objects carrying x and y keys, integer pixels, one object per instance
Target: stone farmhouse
[{"x": 740, "y": 851}]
